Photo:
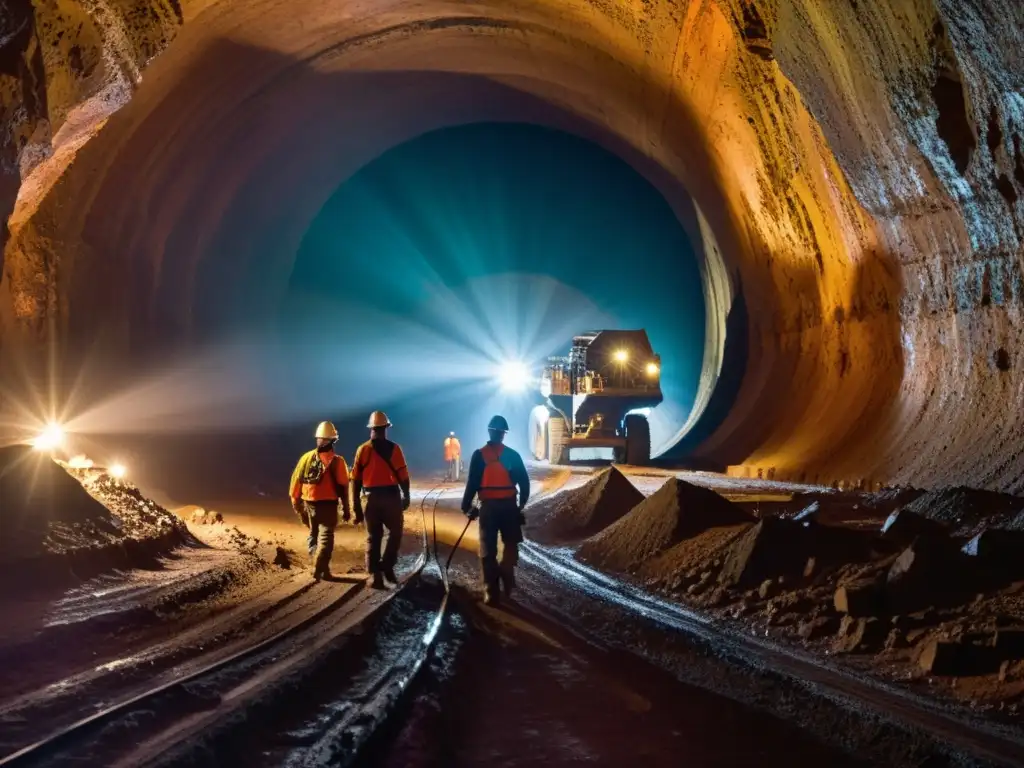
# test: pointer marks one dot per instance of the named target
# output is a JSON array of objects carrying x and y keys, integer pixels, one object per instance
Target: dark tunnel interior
[
  {"x": 430, "y": 266},
  {"x": 227, "y": 221}
]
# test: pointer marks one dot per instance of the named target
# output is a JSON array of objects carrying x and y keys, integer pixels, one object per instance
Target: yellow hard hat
[
  {"x": 378, "y": 419},
  {"x": 326, "y": 431}
]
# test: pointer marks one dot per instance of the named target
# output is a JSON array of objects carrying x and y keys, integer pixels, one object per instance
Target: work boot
[
  {"x": 389, "y": 575},
  {"x": 491, "y": 595},
  {"x": 508, "y": 581},
  {"x": 378, "y": 581}
]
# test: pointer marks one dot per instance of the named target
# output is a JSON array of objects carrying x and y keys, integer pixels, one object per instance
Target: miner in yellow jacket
[{"x": 319, "y": 486}]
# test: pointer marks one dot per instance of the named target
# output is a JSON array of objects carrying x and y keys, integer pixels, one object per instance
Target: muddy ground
[{"x": 756, "y": 556}]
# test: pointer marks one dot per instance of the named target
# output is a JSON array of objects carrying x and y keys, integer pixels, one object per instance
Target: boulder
[
  {"x": 927, "y": 571},
  {"x": 837, "y": 545},
  {"x": 952, "y": 658},
  {"x": 903, "y": 526},
  {"x": 998, "y": 553},
  {"x": 808, "y": 513},
  {"x": 771, "y": 548},
  {"x": 861, "y": 598},
  {"x": 863, "y": 635}
]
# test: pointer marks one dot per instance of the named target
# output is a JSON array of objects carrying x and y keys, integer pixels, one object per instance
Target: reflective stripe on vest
[{"x": 496, "y": 482}]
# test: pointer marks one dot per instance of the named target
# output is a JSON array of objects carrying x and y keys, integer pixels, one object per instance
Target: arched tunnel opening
[
  {"x": 430, "y": 266},
  {"x": 227, "y": 221},
  {"x": 140, "y": 190},
  {"x": 504, "y": 241}
]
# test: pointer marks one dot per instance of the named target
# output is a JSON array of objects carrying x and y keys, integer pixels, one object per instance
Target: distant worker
[
  {"x": 379, "y": 472},
  {"x": 494, "y": 473},
  {"x": 319, "y": 484},
  {"x": 452, "y": 457}
]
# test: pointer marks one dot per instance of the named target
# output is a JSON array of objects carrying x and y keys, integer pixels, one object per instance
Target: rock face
[{"x": 858, "y": 169}]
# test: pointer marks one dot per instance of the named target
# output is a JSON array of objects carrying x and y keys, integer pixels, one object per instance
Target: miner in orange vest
[
  {"x": 495, "y": 471},
  {"x": 452, "y": 456},
  {"x": 319, "y": 485},
  {"x": 380, "y": 474}
]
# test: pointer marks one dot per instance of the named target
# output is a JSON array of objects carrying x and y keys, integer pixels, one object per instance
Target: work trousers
[
  {"x": 453, "y": 470},
  {"x": 499, "y": 516},
  {"x": 383, "y": 509},
  {"x": 323, "y": 519}
]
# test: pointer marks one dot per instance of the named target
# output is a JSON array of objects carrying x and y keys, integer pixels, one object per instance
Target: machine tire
[
  {"x": 638, "y": 440},
  {"x": 538, "y": 437},
  {"x": 558, "y": 452}
]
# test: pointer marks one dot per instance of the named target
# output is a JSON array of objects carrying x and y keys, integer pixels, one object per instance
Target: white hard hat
[
  {"x": 452, "y": 434},
  {"x": 326, "y": 431},
  {"x": 378, "y": 419}
]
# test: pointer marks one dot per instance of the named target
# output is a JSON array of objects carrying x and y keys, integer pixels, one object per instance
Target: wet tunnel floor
[{"x": 510, "y": 688}]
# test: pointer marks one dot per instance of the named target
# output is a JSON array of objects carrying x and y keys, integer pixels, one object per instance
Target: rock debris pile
[
  {"x": 922, "y": 585},
  {"x": 58, "y": 520},
  {"x": 591, "y": 508},
  {"x": 677, "y": 511}
]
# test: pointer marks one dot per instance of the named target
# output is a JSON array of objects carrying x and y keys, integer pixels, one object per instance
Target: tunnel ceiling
[{"x": 858, "y": 167}]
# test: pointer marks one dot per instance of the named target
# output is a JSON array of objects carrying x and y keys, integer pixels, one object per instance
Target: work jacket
[
  {"x": 495, "y": 471},
  {"x": 320, "y": 477},
  {"x": 380, "y": 464},
  {"x": 452, "y": 449}
]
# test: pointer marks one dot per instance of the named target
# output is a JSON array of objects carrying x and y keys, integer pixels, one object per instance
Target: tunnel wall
[{"x": 859, "y": 167}]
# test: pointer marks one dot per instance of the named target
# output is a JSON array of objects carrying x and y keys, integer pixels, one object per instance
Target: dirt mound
[
  {"x": 44, "y": 507},
  {"x": 691, "y": 558},
  {"x": 589, "y": 509},
  {"x": 677, "y": 511},
  {"x": 964, "y": 510},
  {"x": 58, "y": 521}
]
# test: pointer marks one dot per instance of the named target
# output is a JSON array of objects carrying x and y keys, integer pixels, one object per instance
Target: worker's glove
[
  {"x": 472, "y": 513},
  {"x": 522, "y": 518},
  {"x": 346, "y": 515},
  {"x": 406, "y": 501}
]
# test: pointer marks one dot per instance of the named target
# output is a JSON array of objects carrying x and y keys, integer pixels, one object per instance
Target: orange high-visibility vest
[
  {"x": 373, "y": 471},
  {"x": 496, "y": 482},
  {"x": 452, "y": 448}
]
